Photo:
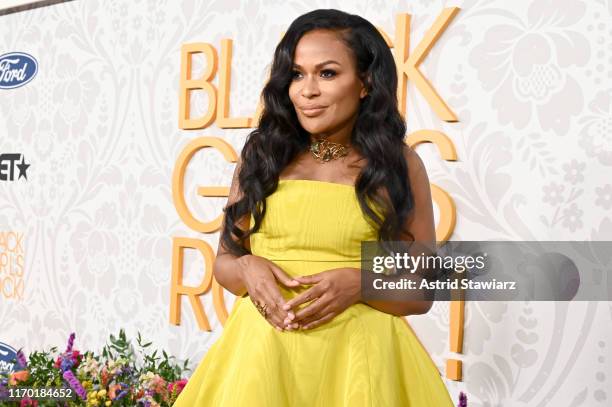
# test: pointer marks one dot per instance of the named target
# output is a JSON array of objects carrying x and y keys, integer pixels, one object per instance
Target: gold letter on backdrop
[
  {"x": 186, "y": 85},
  {"x": 178, "y": 182},
  {"x": 177, "y": 289},
  {"x": 178, "y": 190},
  {"x": 225, "y": 80},
  {"x": 407, "y": 68}
]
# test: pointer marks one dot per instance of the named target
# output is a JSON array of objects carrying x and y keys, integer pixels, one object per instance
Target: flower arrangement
[{"x": 117, "y": 377}]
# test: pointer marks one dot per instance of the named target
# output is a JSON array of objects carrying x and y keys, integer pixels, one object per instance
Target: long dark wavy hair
[{"x": 378, "y": 134}]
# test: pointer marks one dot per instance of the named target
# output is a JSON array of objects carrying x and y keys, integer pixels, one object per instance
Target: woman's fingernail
[{"x": 286, "y": 306}]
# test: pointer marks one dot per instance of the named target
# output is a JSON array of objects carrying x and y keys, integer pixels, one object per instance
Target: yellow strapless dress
[{"x": 363, "y": 357}]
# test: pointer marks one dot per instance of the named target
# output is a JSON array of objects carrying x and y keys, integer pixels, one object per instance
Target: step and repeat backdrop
[{"x": 120, "y": 126}]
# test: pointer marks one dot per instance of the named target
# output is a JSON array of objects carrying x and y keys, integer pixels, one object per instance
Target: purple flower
[
  {"x": 66, "y": 364},
  {"x": 122, "y": 394},
  {"x": 70, "y": 342},
  {"x": 75, "y": 384},
  {"x": 462, "y": 399},
  {"x": 21, "y": 358}
]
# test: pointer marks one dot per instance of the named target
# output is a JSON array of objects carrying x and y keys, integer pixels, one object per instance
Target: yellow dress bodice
[{"x": 309, "y": 220}]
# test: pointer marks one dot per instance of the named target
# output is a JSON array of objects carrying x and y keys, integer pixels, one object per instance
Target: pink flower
[
  {"x": 113, "y": 390},
  {"x": 76, "y": 356},
  {"x": 28, "y": 402},
  {"x": 158, "y": 384},
  {"x": 177, "y": 386}
]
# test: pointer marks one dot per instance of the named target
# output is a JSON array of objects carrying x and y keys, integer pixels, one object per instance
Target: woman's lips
[{"x": 313, "y": 111}]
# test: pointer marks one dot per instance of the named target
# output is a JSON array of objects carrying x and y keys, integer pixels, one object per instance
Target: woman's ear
[{"x": 365, "y": 86}]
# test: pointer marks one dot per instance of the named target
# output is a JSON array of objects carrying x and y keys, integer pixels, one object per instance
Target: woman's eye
[{"x": 328, "y": 73}]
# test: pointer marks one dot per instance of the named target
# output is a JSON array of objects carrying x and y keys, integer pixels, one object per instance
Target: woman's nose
[{"x": 311, "y": 87}]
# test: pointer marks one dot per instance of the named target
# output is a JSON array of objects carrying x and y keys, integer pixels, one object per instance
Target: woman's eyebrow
[{"x": 330, "y": 61}]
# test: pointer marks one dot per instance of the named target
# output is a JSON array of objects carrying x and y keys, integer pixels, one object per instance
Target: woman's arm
[
  {"x": 228, "y": 267},
  {"x": 421, "y": 225},
  {"x": 252, "y": 274}
]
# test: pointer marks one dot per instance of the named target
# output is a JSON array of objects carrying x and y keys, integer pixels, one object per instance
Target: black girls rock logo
[{"x": 12, "y": 258}]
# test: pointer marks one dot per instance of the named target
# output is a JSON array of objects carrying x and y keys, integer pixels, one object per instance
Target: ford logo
[
  {"x": 8, "y": 359},
  {"x": 16, "y": 69}
]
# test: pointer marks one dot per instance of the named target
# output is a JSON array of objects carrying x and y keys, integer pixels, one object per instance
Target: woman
[{"x": 326, "y": 169}]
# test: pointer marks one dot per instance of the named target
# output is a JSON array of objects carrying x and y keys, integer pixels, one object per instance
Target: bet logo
[{"x": 12, "y": 163}]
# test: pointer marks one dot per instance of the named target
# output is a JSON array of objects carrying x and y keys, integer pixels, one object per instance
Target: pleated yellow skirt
[{"x": 363, "y": 357}]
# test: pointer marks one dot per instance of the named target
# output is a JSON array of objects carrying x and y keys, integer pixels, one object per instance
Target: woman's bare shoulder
[{"x": 413, "y": 160}]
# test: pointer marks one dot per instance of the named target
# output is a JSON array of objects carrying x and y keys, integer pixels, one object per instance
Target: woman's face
[{"x": 325, "y": 89}]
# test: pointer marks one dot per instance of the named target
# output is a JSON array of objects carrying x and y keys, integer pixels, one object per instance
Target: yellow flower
[
  {"x": 102, "y": 393},
  {"x": 108, "y": 403}
]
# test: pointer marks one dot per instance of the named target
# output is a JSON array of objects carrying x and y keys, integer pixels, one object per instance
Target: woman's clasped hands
[{"x": 330, "y": 293}]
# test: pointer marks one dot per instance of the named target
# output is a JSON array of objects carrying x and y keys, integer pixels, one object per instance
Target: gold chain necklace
[{"x": 324, "y": 151}]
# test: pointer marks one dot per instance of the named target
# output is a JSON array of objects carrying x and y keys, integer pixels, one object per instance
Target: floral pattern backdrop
[{"x": 529, "y": 82}]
